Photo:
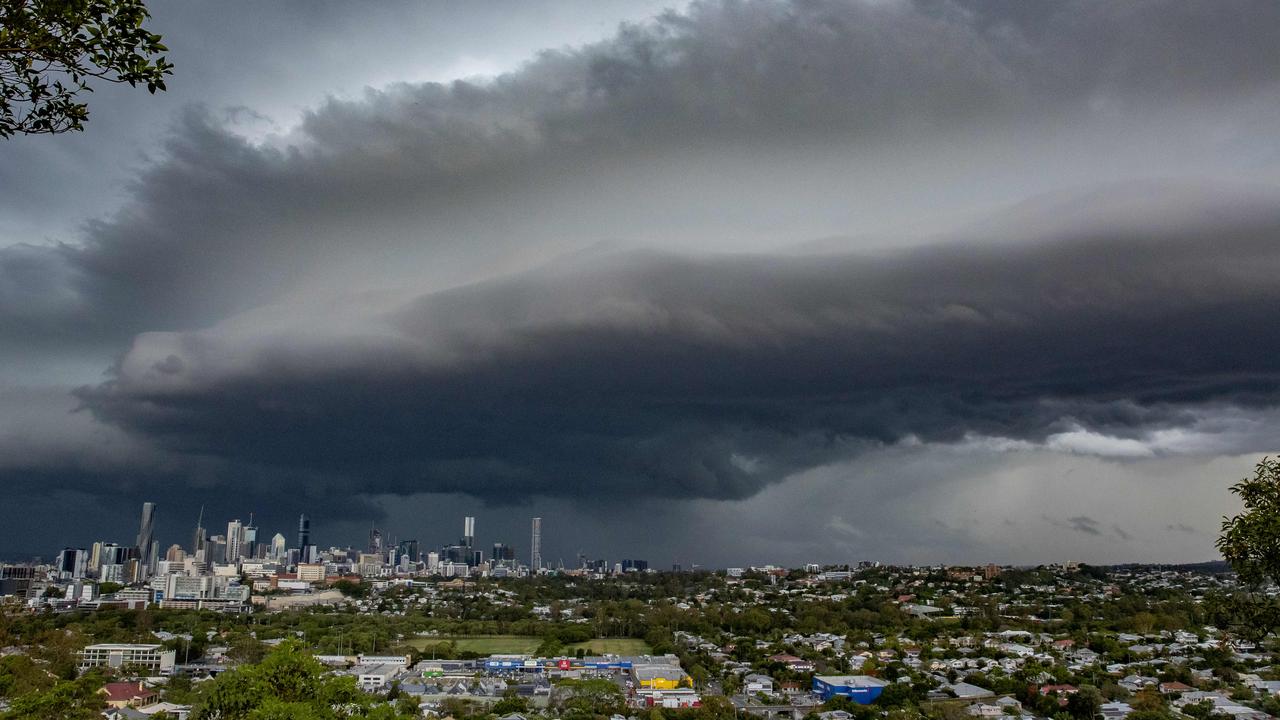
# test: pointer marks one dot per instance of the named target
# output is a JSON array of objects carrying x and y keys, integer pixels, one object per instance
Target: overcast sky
[{"x": 717, "y": 283}]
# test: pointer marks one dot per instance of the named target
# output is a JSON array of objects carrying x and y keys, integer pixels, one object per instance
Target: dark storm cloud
[
  {"x": 1080, "y": 523},
  {"x": 713, "y": 376},
  {"x": 349, "y": 308},
  {"x": 219, "y": 225}
]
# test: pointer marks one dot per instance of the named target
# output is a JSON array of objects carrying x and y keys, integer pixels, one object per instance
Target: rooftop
[{"x": 851, "y": 680}]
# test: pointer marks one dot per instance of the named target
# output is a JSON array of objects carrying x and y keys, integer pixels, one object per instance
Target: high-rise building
[
  {"x": 175, "y": 554},
  {"x": 95, "y": 558},
  {"x": 278, "y": 547},
  {"x": 235, "y": 541},
  {"x": 406, "y": 549},
  {"x": 146, "y": 535},
  {"x": 304, "y": 532},
  {"x": 111, "y": 572},
  {"x": 503, "y": 555},
  {"x": 199, "y": 538},
  {"x": 375, "y": 541},
  {"x": 535, "y": 546},
  {"x": 468, "y": 531},
  {"x": 455, "y": 553},
  {"x": 216, "y": 549},
  {"x": 113, "y": 554},
  {"x": 369, "y": 564},
  {"x": 249, "y": 539},
  {"x": 72, "y": 563}
]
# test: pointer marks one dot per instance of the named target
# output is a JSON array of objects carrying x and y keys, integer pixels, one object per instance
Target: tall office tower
[
  {"x": 199, "y": 538},
  {"x": 375, "y": 541},
  {"x": 454, "y": 553},
  {"x": 503, "y": 553},
  {"x": 235, "y": 541},
  {"x": 95, "y": 557},
  {"x": 146, "y": 535},
  {"x": 304, "y": 532},
  {"x": 132, "y": 571},
  {"x": 535, "y": 546},
  {"x": 216, "y": 549},
  {"x": 468, "y": 531},
  {"x": 249, "y": 539},
  {"x": 71, "y": 563},
  {"x": 112, "y": 554},
  {"x": 175, "y": 554},
  {"x": 277, "y": 547},
  {"x": 407, "y": 548}
]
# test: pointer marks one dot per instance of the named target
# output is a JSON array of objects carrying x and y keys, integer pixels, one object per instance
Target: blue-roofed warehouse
[{"x": 861, "y": 689}]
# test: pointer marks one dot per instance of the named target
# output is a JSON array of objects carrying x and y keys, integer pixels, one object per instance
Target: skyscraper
[
  {"x": 146, "y": 535},
  {"x": 249, "y": 539},
  {"x": 113, "y": 554},
  {"x": 216, "y": 549},
  {"x": 468, "y": 531},
  {"x": 503, "y": 554},
  {"x": 71, "y": 563},
  {"x": 235, "y": 541},
  {"x": 304, "y": 532},
  {"x": 95, "y": 557},
  {"x": 198, "y": 539},
  {"x": 535, "y": 546},
  {"x": 375, "y": 541},
  {"x": 407, "y": 549},
  {"x": 278, "y": 547}
]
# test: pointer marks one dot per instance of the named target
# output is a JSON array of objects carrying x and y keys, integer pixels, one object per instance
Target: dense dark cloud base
[
  {"x": 595, "y": 278},
  {"x": 659, "y": 375}
]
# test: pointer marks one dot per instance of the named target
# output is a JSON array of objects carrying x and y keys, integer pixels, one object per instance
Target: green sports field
[
  {"x": 527, "y": 644},
  {"x": 614, "y": 646}
]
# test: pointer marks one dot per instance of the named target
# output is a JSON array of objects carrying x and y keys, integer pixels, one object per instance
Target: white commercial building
[
  {"x": 124, "y": 655},
  {"x": 372, "y": 678}
]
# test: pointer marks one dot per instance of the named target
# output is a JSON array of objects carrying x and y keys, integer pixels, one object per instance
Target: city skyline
[
  {"x": 237, "y": 549},
  {"x": 707, "y": 282}
]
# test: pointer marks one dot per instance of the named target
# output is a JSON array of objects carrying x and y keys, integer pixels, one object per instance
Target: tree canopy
[
  {"x": 51, "y": 51},
  {"x": 288, "y": 683},
  {"x": 77, "y": 699},
  {"x": 1250, "y": 542}
]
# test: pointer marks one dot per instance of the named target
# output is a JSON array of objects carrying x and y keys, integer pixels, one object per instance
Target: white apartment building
[{"x": 119, "y": 655}]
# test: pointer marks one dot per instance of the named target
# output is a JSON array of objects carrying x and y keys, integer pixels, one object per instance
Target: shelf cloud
[{"x": 715, "y": 251}]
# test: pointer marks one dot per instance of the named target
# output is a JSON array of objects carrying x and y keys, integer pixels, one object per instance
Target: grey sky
[{"x": 751, "y": 260}]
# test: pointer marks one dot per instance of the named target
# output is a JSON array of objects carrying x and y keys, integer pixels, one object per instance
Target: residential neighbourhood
[{"x": 1057, "y": 642}]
